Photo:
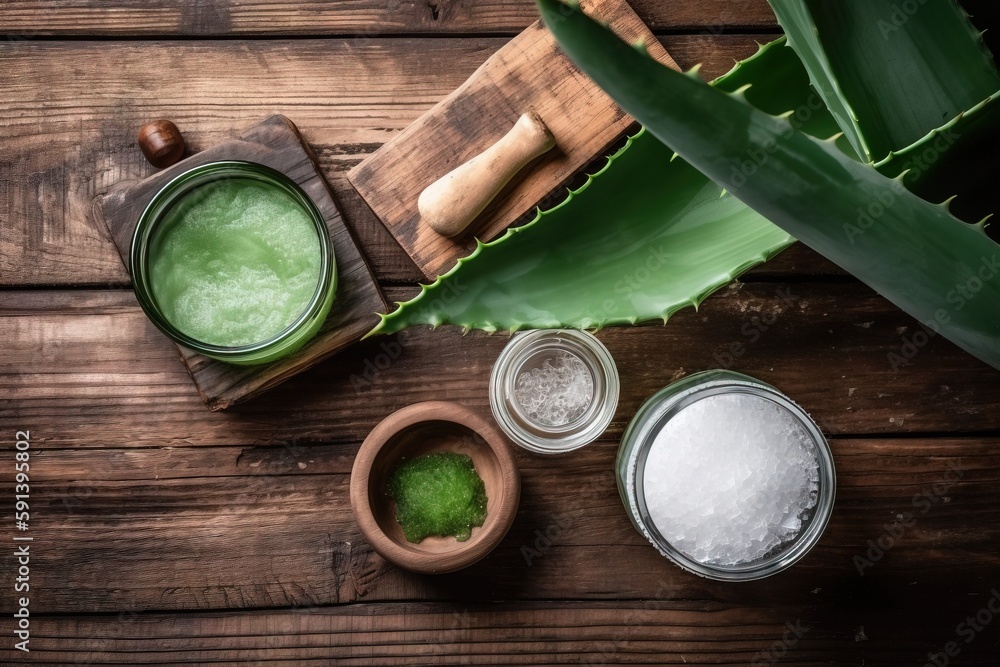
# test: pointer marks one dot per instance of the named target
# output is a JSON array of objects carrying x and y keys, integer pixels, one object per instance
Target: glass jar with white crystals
[
  {"x": 726, "y": 476},
  {"x": 553, "y": 391}
]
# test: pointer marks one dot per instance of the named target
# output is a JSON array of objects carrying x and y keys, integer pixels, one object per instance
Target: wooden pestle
[{"x": 452, "y": 202}]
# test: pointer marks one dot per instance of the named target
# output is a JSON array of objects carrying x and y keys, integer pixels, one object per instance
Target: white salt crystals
[
  {"x": 726, "y": 476},
  {"x": 554, "y": 390},
  {"x": 556, "y": 393},
  {"x": 731, "y": 478}
]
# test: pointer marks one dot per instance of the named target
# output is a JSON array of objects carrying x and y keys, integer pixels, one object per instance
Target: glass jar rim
[
  {"x": 182, "y": 185},
  {"x": 566, "y": 437},
  {"x": 663, "y": 406}
]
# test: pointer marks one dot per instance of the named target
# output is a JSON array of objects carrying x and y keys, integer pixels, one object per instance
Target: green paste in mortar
[
  {"x": 438, "y": 494},
  {"x": 235, "y": 263}
]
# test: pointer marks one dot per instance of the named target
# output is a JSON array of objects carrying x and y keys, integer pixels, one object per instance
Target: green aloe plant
[
  {"x": 843, "y": 198},
  {"x": 644, "y": 237},
  {"x": 914, "y": 252},
  {"x": 889, "y": 71}
]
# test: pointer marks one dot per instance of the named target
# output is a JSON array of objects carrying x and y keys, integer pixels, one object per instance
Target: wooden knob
[
  {"x": 452, "y": 202},
  {"x": 161, "y": 142}
]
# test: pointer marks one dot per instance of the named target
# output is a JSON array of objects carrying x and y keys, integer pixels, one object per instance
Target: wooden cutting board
[
  {"x": 276, "y": 142},
  {"x": 529, "y": 73}
]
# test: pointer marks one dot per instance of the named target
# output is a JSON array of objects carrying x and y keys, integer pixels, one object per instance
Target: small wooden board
[
  {"x": 529, "y": 73},
  {"x": 276, "y": 142}
]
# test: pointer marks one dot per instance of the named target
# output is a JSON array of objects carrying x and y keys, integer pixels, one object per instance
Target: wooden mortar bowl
[{"x": 419, "y": 429}]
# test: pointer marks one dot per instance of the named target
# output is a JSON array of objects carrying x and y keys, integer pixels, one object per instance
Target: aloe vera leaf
[
  {"x": 592, "y": 262},
  {"x": 959, "y": 159},
  {"x": 890, "y": 71},
  {"x": 937, "y": 268},
  {"x": 643, "y": 238}
]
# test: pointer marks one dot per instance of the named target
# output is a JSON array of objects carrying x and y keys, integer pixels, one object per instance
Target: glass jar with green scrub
[{"x": 233, "y": 260}]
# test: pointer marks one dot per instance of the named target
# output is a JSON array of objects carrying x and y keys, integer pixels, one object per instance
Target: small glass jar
[
  {"x": 186, "y": 185},
  {"x": 641, "y": 436},
  {"x": 554, "y": 391}
]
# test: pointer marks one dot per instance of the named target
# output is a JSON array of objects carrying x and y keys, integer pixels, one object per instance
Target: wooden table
[{"x": 167, "y": 534}]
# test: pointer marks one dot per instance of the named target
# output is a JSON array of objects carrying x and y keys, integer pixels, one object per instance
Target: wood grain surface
[
  {"x": 276, "y": 143},
  {"x": 169, "y": 534},
  {"x": 366, "y": 18},
  {"x": 246, "y": 527},
  {"x": 530, "y": 74},
  {"x": 69, "y": 133},
  {"x": 842, "y": 333},
  {"x": 536, "y": 633}
]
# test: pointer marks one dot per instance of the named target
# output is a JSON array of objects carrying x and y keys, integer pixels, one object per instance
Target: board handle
[
  {"x": 453, "y": 201},
  {"x": 161, "y": 142}
]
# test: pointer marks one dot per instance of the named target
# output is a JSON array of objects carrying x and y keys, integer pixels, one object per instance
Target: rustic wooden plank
[
  {"x": 69, "y": 132},
  {"x": 88, "y": 369},
  {"x": 656, "y": 631},
  {"x": 717, "y": 55},
  {"x": 363, "y": 18},
  {"x": 274, "y": 142},
  {"x": 236, "y": 525},
  {"x": 174, "y": 528},
  {"x": 530, "y": 73}
]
